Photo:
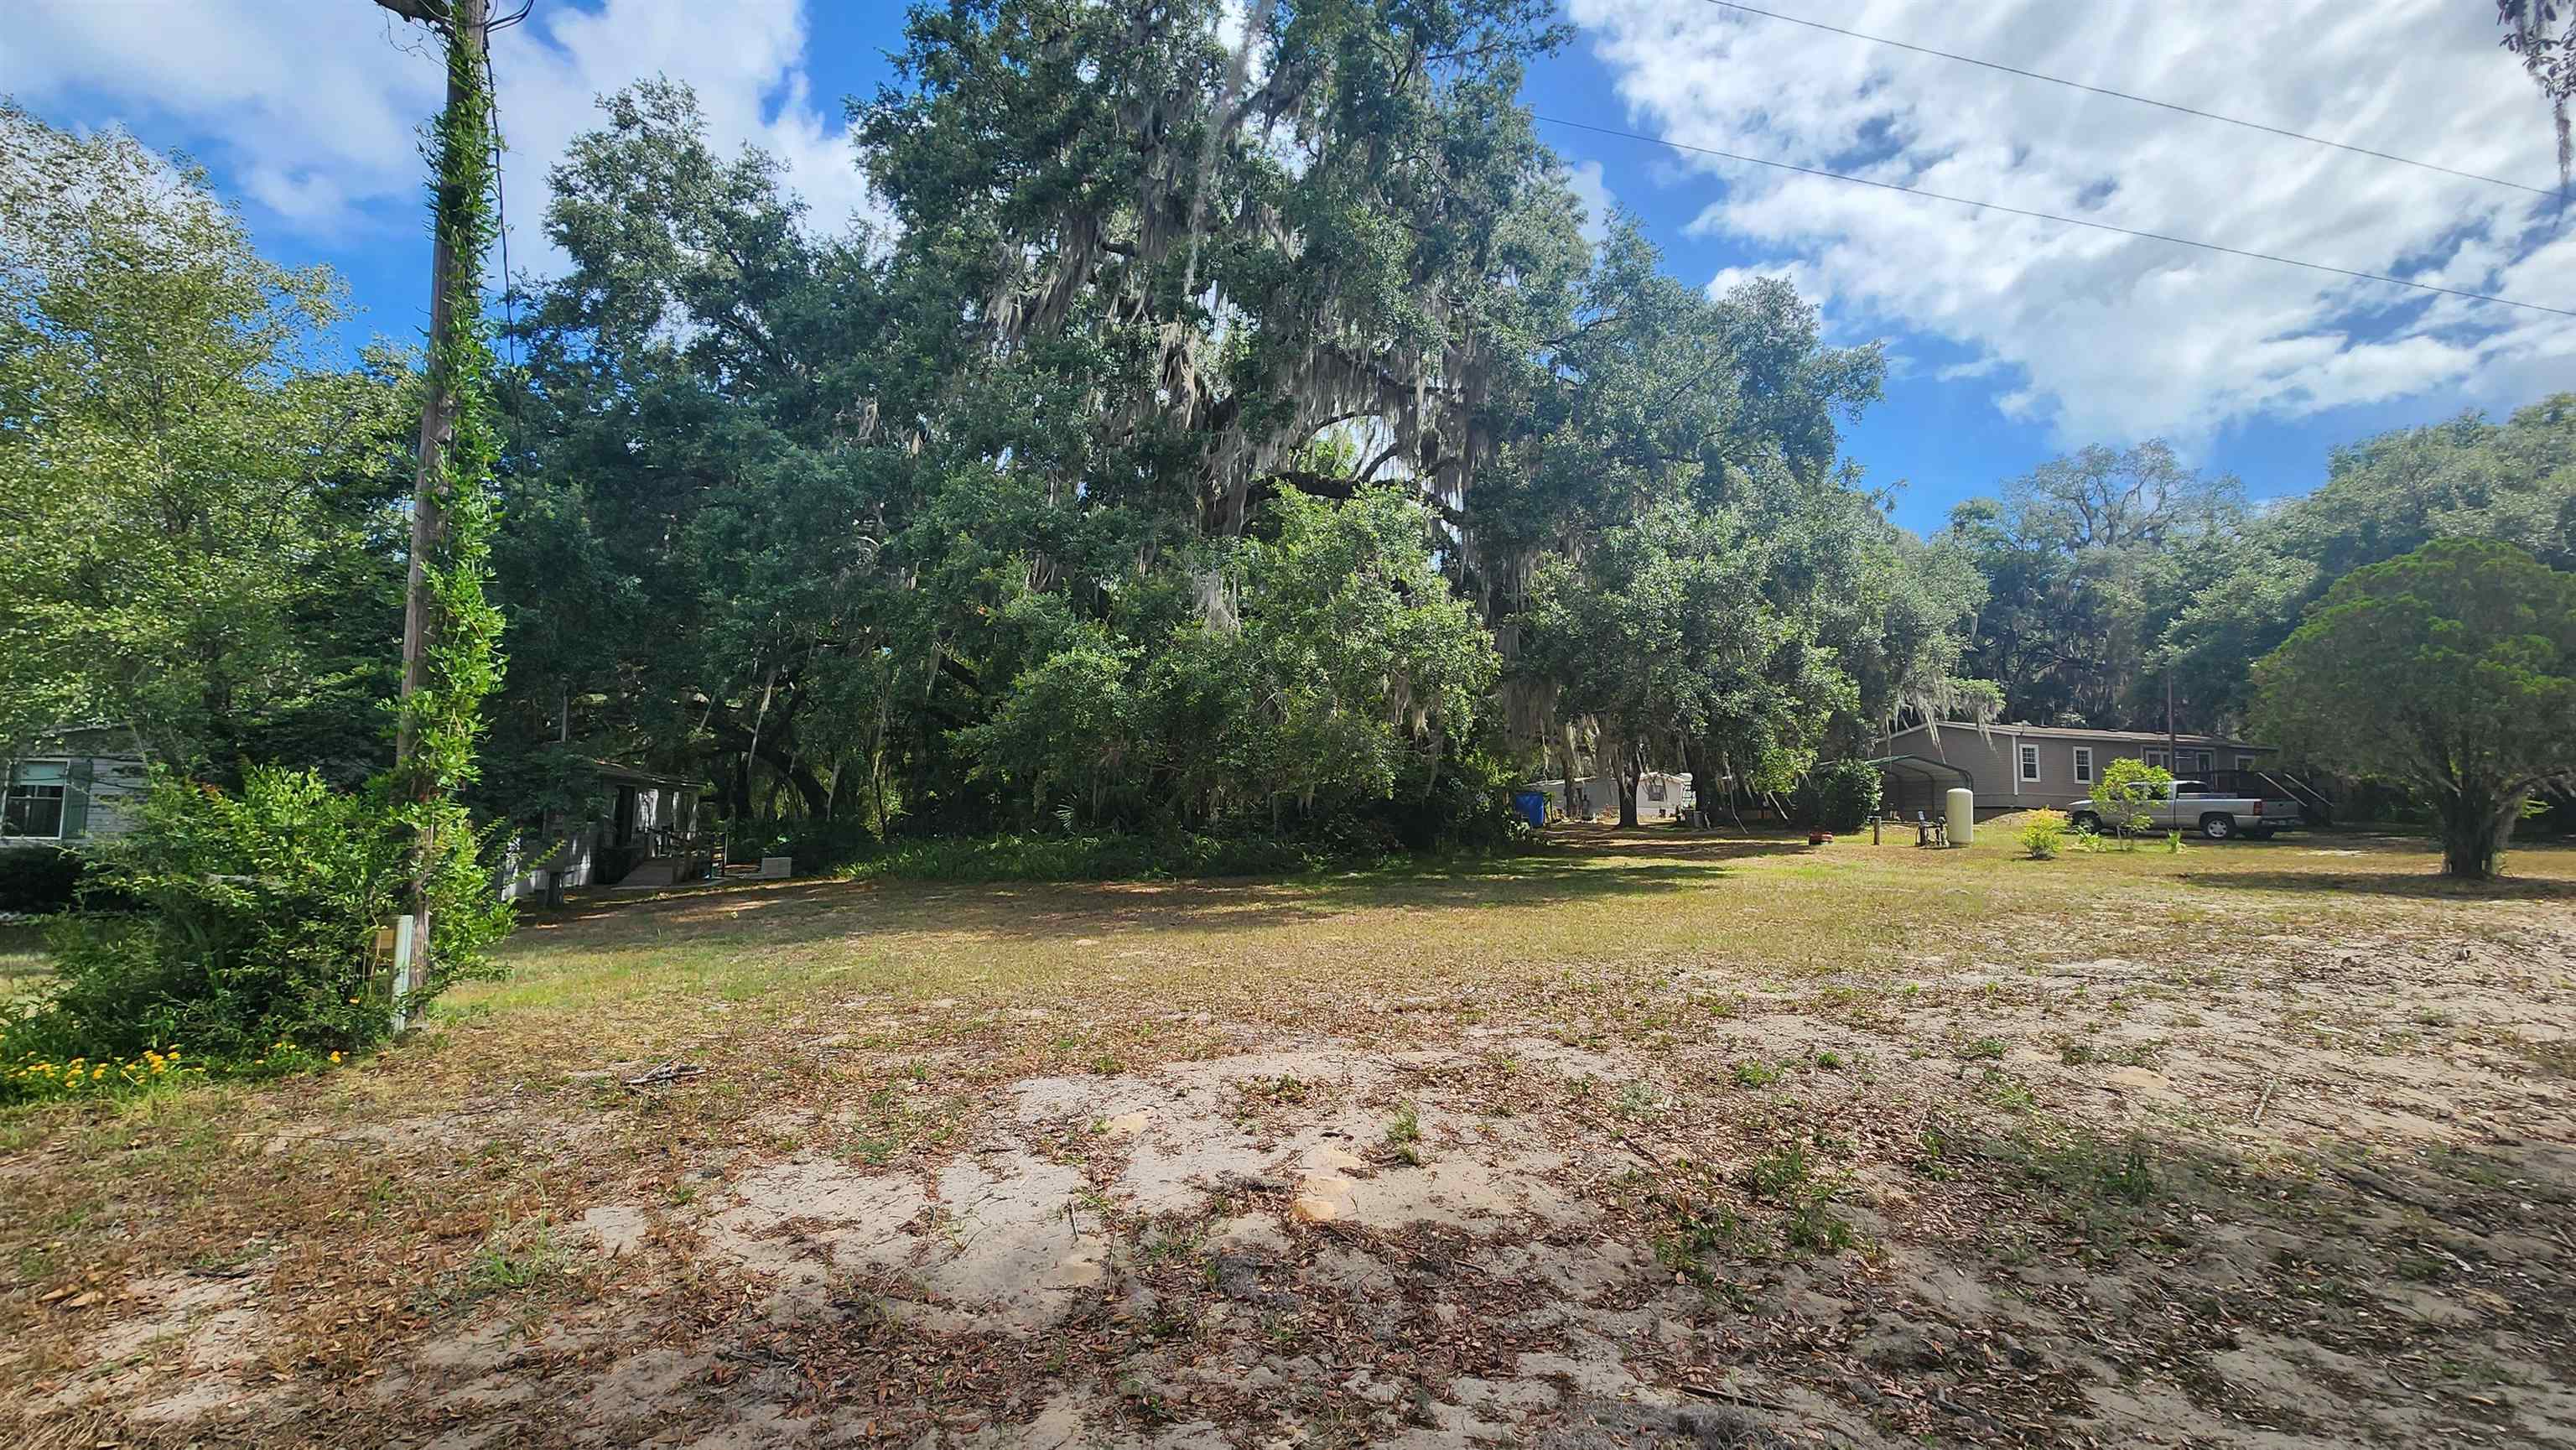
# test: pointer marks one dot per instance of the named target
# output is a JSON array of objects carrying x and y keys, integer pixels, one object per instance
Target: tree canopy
[
  {"x": 188, "y": 500},
  {"x": 1238, "y": 428},
  {"x": 2107, "y": 570},
  {"x": 1013, "y": 515},
  {"x": 2452, "y": 668}
]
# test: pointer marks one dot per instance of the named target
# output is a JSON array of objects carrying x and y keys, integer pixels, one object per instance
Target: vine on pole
[{"x": 451, "y": 632}]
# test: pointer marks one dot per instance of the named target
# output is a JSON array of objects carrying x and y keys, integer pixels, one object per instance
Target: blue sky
[{"x": 2012, "y": 340}]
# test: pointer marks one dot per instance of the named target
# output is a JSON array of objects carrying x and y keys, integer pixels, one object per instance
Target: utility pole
[
  {"x": 2173, "y": 740},
  {"x": 463, "y": 22},
  {"x": 448, "y": 629}
]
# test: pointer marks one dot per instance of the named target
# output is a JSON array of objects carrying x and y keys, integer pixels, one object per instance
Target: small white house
[
  {"x": 1661, "y": 796},
  {"x": 73, "y": 785}
]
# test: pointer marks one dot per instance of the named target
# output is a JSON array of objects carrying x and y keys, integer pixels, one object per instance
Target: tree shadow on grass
[
  {"x": 2415, "y": 885},
  {"x": 784, "y": 914}
]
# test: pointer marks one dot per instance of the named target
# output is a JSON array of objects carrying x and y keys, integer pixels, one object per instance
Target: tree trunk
[
  {"x": 2475, "y": 826},
  {"x": 1695, "y": 760},
  {"x": 1632, "y": 772},
  {"x": 1565, "y": 743}
]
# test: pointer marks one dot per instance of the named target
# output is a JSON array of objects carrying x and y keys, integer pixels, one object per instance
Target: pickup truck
[{"x": 2188, "y": 805}]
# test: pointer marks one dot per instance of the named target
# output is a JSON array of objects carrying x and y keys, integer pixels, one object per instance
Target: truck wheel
[
  {"x": 2218, "y": 825},
  {"x": 2088, "y": 822}
]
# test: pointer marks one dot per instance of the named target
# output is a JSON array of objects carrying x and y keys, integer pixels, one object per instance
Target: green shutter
[{"x": 76, "y": 799}]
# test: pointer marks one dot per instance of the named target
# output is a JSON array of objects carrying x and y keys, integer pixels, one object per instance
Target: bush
[
  {"x": 38, "y": 878},
  {"x": 1467, "y": 806},
  {"x": 254, "y": 942},
  {"x": 2043, "y": 834},
  {"x": 1840, "y": 795},
  {"x": 2127, "y": 786}
]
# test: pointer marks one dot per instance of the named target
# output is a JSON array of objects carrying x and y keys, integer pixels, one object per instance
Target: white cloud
[
  {"x": 2111, "y": 337},
  {"x": 1585, "y": 180},
  {"x": 314, "y": 107}
]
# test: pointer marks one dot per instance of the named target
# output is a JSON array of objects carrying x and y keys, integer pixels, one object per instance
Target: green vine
[{"x": 461, "y": 630}]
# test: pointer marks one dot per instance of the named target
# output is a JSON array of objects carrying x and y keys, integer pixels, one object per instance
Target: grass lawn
[
  {"x": 1693, "y": 1138},
  {"x": 22, "y": 958}
]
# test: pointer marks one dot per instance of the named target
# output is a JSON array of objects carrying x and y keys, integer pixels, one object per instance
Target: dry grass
[{"x": 1700, "y": 1136}]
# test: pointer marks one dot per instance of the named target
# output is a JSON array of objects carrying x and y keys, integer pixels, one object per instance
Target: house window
[
  {"x": 2201, "y": 762},
  {"x": 1654, "y": 790},
  {"x": 2245, "y": 763},
  {"x": 2083, "y": 765},
  {"x": 35, "y": 800},
  {"x": 2155, "y": 760},
  {"x": 2030, "y": 762}
]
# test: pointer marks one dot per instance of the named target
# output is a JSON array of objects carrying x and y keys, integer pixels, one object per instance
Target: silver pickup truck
[{"x": 2188, "y": 805}]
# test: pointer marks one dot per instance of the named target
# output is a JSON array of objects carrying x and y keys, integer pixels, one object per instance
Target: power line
[
  {"x": 2052, "y": 216},
  {"x": 2127, "y": 96}
]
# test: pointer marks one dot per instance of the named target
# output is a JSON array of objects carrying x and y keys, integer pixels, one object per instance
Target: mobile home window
[
  {"x": 35, "y": 800},
  {"x": 2245, "y": 762},
  {"x": 2030, "y": 762},
  {"x": 2155, "y": 760},
  {"x": 2083, "y": 765},
  {"x": 2201, "y": 762}
]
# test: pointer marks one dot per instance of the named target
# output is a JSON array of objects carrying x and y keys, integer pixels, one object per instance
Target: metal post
[
  {"x": 402, "y": 970},
  {"x": 2173, "y": 740}
]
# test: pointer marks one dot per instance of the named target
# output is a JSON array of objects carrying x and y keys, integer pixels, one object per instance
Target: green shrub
[
  {"x": 252, "y": 944},
  {"x": 1840, "y": 795},
  {"x": 2123, "y": 793},
  {"x": 2043, "y": 834}
]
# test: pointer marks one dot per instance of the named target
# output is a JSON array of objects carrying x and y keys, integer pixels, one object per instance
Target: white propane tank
[{"x": 1963, "y": 816}]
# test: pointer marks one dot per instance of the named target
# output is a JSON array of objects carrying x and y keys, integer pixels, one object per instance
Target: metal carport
[{"x": 1910, "y": 784}]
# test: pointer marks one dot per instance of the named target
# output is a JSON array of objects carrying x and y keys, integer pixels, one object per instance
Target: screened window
[
  {"x": 2030, "y": 762},
  {"x": 2083, "y": 765},
  {"x": 2156, "y": 760},
  {"x": 35, "y": 800}
]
